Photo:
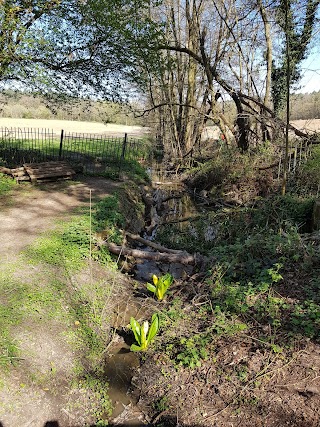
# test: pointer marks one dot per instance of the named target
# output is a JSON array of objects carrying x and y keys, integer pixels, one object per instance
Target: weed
[
  {"x": 161, "y": 404},
  {"x": 242, "y": 373},
  {"x": 172, "y": 315},
  {"x": 193, "y": 350},
  {"x": 305, "y": 318},
  {"x": 160, "y": 285},
  {"x": 97, "y": 387},
  {"x": 106, "y": 216},
  {"x": 143, "y": 334},
  {"x": 9, "y": 350}
]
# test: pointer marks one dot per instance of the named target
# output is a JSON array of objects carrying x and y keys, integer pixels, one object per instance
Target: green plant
[
  {"x": 160, "y": 285},
  {"x": 193, "y": 350},
  {"x": 305, "y": 319},
  {"x": 161, "y": 404},
  {"x": 6, "y": 183},
  {"x": 143, "y": 334}
]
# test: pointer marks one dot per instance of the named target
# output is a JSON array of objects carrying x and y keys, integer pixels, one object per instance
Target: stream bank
[{"x": 232, "y": 349}]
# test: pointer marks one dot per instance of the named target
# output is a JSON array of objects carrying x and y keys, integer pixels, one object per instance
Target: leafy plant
[
  {"x": 143, "y": 334},
  {"x": 160, "y": 285},
  {"x": 193, "y": 350}
]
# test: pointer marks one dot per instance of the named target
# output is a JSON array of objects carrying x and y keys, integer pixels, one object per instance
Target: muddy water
[
  {"x": 119, "y": 370},
  {"x": 121, "y": 365}
]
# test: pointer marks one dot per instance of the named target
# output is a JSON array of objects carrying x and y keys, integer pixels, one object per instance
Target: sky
[
  {"x": 310, "y": 81},
  {"x": 311, "y": 71}
]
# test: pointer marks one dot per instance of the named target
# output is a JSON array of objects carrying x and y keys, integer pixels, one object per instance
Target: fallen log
[
  {"x": 154, "y": 256},
  {"x": 5, "y": 170},
  {"x": 153, "y": 245}
]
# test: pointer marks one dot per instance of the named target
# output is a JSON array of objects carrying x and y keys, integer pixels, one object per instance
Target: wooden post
[
  {"x": 288, "y": 81},
  {"x": 295, "y": 159},
  {"x": 124, "y": 146},
  {"x": 61, "y": 141}
]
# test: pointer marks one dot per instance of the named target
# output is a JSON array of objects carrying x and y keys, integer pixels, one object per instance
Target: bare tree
[{"x": 223, "y": 48}]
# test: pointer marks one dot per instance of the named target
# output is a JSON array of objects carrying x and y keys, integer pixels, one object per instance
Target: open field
[
  {"x": 308, "y": 125},
  {"x": 119, "y": 130},
  {"x": 73, "y": 126}
]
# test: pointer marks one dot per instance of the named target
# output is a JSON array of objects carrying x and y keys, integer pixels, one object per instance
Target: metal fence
[{"x": 89, "y": 153}]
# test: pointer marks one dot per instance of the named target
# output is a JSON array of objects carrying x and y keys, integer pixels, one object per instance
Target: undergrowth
[
  {"x": 308, "y": 177},
  {"x": 264, "y": 284}
]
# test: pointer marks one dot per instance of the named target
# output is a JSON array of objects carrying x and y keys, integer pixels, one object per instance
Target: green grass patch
[
  {"x": 6, "y": 184},
  {"x": 71, "y": 243},
  {"x": 21, "y": 302}
]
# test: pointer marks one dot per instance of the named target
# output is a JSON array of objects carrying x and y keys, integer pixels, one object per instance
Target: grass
[
  {"x": 81, "y": 309},
  {"x": 68, "y": 246},
  {"x": 6, "y": 184},
  {"x": 76, "y": 148},
  {"x": 20, "y": 301}
]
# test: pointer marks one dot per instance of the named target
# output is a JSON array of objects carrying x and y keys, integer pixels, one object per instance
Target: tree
[
  {"x": 224, "y": 48},
  {"x": 77, "y": 47},
  {"x": 297, "y": 21}
]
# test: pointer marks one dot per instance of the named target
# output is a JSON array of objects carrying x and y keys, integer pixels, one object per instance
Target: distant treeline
[
  {"x": 305, "y": 106},
  {"x": 33, "y": 106}
]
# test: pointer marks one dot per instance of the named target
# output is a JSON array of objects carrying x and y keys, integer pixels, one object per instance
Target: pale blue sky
[
  {"x": 311, "y": 75},
  {"x": 311, "y": 68}
]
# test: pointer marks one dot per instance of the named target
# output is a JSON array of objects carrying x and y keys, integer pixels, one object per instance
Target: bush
[{"x": 308, "y": 177}]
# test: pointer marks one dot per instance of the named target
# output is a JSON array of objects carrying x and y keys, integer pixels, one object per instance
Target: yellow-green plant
[
  {"x": 143, "y": 334},
  {"x": 160, "y": 285}
]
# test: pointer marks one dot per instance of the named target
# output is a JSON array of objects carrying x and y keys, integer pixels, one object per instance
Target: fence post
[
  {"x": 61, "y": 141},
  {"x": 124, "y": 146}
]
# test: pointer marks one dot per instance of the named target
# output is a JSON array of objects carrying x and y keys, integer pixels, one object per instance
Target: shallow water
[{"x": 119, "y": 370}]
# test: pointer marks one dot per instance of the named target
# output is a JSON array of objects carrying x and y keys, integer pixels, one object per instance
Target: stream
[{"x": 170, "y": 204}]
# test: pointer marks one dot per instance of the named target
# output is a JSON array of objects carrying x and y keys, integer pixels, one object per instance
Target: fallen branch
[
  {"x": 153, "y": 245},
  {"x": 263, "y": 168},
  {"x": 154, "y": 256}
]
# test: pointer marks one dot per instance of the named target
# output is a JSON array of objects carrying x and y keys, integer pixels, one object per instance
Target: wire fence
[
  {"x": 89, "y": 153},
  {"x": 299, "y": 152}
]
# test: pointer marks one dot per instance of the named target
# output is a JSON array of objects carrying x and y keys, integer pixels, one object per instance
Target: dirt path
[
  {"x": 36, "y": 391},
  {"x": 34, "y": 210}
]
